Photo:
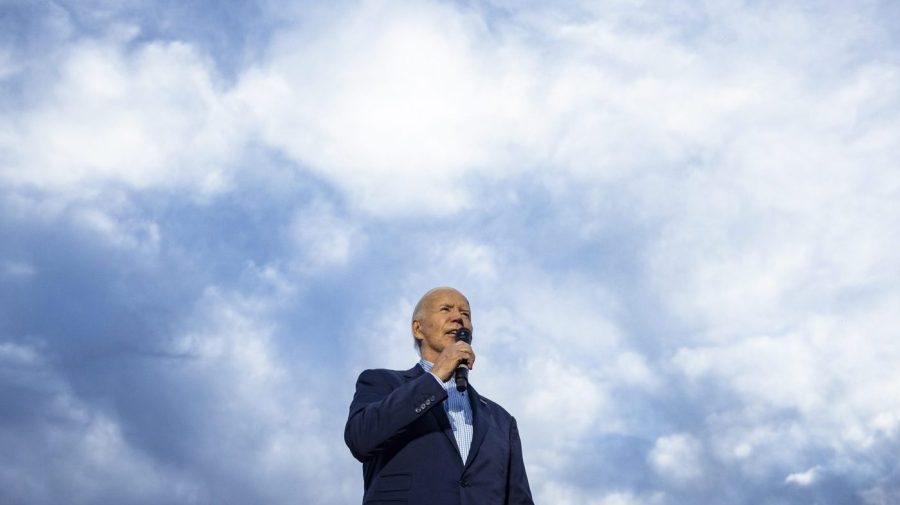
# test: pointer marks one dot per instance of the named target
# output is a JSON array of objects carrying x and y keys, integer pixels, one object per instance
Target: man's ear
[{"x": 417, "y": 330}]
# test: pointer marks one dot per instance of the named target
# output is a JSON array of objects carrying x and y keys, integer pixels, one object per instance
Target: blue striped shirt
[{"x": 459, "y": 411}]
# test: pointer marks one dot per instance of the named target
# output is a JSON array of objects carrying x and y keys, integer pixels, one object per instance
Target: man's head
[{"x": 437, "y": 316}]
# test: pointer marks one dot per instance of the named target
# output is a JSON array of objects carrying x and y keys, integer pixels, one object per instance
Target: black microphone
[{"x": 462, "y": 370}]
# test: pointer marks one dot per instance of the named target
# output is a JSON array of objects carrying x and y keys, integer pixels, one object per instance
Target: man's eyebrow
[{"x": 448, "y": 305}]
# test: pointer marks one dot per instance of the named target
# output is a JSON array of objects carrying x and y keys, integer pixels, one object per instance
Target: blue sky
[{"x": 676, "y": 223}]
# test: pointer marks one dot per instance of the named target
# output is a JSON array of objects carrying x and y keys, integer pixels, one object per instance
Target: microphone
[{"x": 462, "y": 370}]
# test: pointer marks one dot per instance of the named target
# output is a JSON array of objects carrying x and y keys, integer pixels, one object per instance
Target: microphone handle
[
  {"x": 462, "y": 369},
  {"x": 462, "y": 377}
]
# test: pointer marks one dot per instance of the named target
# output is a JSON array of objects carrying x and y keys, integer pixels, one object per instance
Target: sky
[{"x": 676, "y": 222}]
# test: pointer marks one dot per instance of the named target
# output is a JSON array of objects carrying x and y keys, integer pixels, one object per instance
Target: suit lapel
[
  {"x": 444, "y": 422},
  {"x": 479, "y": 423},
  {"x": 437, "y": 413}
]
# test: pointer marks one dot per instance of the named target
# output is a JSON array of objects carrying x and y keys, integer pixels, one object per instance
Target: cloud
[
  {"x": 570, "y": 496},
  {"x": 803, "y": 478},
  {"x": 677, "y": 457},
  {"x": 323, "y": 239},
  {"x": 396, "y": 104},
  {"x": 147, "y": 117},
  {"x": 67, "y": 448}
]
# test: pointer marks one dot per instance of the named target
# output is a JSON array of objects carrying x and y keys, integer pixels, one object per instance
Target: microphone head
[{"x": 464, "y": 334}]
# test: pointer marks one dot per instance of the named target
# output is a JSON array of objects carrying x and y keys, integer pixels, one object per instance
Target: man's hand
[{"x": 451, "y": 357}]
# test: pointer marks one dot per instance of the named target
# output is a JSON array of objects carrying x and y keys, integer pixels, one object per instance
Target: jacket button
[
  {"x": 418, "y": 410},
  {"x": 464, "y": 483}
]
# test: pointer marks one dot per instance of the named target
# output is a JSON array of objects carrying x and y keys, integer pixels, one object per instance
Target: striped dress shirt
[{"x": 458, "y": 410}]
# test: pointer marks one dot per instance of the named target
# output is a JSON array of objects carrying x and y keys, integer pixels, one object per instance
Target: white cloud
[
  {"x": 472, "y": 260},
  {"x": 405, "y": 107},
  {"x": 559, "y": 391},
  {"x": 678, "y": 457},
  {"x": 232, "y": 338},
  {"x": 384, "y": 338},
  {"x": 791, "y": 381},
  {"x": 804, "y": 479},
  {"x": 829, "y": 384},
  {"x": 321, "y": 239},
  {"x": 631, "y": 368},
  {"x": 561, "y": 494},
  {"x": 271, "y": 412},
  {"x": 148, "y": 117},
  {"x": 12, "y": 354},
  {"x": 570, "y": 319},
  {"x": 135, "y": 233}
]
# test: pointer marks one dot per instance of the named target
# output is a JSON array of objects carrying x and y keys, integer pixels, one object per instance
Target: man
[{"x": 422, "y": 442}]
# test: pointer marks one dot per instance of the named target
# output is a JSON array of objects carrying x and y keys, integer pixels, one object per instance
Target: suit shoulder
[
  {"x": 380, "y": 371},
  {"x": 372, "y": 373},
  {"x": 384, "y": 375}
]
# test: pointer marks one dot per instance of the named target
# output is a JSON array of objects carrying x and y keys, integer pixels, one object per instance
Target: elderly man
[{"x": 423, "y": 442}]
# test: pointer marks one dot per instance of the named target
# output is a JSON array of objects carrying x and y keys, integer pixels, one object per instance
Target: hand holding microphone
[{"x": 454, "y": 355}]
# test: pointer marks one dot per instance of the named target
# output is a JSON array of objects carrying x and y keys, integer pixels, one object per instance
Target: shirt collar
[{"x": 426, "y": 365}]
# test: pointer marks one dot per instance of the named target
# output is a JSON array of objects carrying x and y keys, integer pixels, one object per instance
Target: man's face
[{"x": 444, "y": 311}]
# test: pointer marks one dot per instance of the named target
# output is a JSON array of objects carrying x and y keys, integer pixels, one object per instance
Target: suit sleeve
[
  {"x": 517, "y": 490},
  {"x": 381, "y": 411}
]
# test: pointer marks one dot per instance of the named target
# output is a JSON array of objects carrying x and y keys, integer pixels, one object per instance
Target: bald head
[{"x": 428, "y": 297}]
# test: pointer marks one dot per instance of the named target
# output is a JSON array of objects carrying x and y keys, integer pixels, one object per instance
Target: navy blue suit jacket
[{"x": 400, "y": 432}]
